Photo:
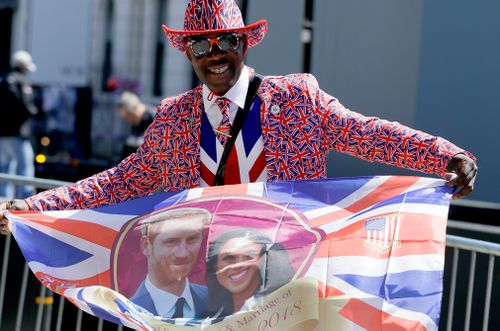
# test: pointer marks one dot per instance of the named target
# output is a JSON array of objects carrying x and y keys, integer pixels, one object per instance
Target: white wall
[
  {"x": 366, "y": 53},
  {"x": 281, "y": 51},
  {"x": 459, "y": 82},
  {"x": 60, "y": 41}
]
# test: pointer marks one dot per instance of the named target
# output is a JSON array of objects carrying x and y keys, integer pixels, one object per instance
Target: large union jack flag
[{"x": 366, "y": 253}]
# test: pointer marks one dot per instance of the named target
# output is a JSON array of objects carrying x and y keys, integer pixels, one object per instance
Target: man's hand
[
  {"x": 461, "y": 171},
  {"x": 10, "y": 205}
]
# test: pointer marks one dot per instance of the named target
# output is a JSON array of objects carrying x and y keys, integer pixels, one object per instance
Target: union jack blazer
[{"x": 300, "y": 125}]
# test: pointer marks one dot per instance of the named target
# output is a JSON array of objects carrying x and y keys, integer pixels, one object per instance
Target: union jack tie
[{"x": 224, "y": 129}]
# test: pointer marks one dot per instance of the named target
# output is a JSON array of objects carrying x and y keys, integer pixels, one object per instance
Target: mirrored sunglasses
[{"x": 225, "y": 42}]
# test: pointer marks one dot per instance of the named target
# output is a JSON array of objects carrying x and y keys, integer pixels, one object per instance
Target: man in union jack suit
[{"x": 213, "y": 135}]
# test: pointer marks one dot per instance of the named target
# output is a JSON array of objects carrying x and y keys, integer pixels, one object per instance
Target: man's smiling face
[
  {"x": 171, "y": 248},
  {"x": 218, "y": 70}
]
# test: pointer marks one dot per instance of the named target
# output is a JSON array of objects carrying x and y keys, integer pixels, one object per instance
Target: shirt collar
[
  {"x": 237, "y": 94},
  {"x": 253, "y": 301},
  {"x": 165, "y": 301}
]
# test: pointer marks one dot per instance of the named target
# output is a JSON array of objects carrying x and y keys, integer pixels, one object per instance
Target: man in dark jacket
[
  {"x": 136, "y": 113},
  {"x": 16, "y": 105}
]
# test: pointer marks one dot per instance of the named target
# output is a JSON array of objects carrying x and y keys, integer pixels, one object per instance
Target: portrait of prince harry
[{"x": 171, "y": 241}]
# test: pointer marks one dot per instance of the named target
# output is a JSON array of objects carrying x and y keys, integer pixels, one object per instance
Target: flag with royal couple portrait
[{"x": 333, "y": 254}]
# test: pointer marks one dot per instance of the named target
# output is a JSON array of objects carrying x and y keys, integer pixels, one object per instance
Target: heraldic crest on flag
[
  {"x": 333, "y": 254},
  {"x": 382, "y": 233}
]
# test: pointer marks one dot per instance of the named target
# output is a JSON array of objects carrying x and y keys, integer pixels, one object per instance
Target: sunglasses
[{"x": 226, "y": 43}]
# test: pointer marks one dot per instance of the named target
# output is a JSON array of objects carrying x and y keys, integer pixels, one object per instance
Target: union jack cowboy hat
[{"x": 215, "y": 16}]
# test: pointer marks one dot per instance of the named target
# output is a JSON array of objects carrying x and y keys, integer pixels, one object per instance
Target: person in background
[
  {"x": 136, "y": 113},
  {"x": 240, "y": 127},
  {"x": 17, "y": 108}
]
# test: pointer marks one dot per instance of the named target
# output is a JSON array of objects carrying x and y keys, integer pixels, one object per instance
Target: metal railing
[
  {"x": 46, "y": 298},
  {"x": 492, "y": 250},
  {"x": 39, "y": 183}
]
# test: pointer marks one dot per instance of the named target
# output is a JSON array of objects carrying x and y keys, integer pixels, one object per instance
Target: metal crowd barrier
[
  {"x": 46, "y": 298},
  {"x": 39, "y": 183},
  {"x": 492, "y": 250}
]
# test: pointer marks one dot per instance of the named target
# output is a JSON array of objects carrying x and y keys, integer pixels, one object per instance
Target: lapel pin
[
  {"x": 275, "y": 109},
  {"x": 190, "y": 121}
]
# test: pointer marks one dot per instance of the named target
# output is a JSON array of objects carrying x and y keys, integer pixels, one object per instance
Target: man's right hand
[{"x": 10, "y": 205}]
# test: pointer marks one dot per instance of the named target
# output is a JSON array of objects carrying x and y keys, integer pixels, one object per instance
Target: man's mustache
[{"x": 217, "y": 62}]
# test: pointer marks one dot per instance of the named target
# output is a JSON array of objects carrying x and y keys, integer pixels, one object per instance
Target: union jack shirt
[{"x": 300, "y": 125}]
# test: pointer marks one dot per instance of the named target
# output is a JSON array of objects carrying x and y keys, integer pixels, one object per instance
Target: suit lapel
[
  {"x": 272, "y": 126},
  {"x": 200, "y": 303},
  {"x": 143, "y": 298}
]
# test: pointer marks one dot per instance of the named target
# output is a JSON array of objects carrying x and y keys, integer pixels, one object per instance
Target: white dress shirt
[
  {"x": 165, "y": 302},
  {"x": 237, "y": 95}
]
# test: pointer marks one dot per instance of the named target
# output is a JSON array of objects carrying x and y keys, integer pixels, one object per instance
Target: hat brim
[{"x": 254, "y": 33}]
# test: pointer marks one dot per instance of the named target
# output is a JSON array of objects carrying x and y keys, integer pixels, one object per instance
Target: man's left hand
[{"x": 461, "y": 171}]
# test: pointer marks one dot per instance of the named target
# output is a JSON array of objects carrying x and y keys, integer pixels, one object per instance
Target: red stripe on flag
[
  {"x": 330, "y": 291},
  {"x": 372, "y": 319},
  {"x": 59, "y": 285},
  {"x": 258, "y": 167},
  {"x": 366, "y": 315},
  {"x": 323, "y": 249},
  {"x": 232, "y": 171},
  {"x": 206, "y": 174},
  {"x": 226, "y": 189},
  {"x": 418, "y": 234},
  {"x": 411, "y": 226},
  {"x": 390, "y": 188},
  {"x": 357, "y": 247},
  {"x": 92, "y": 232}
]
